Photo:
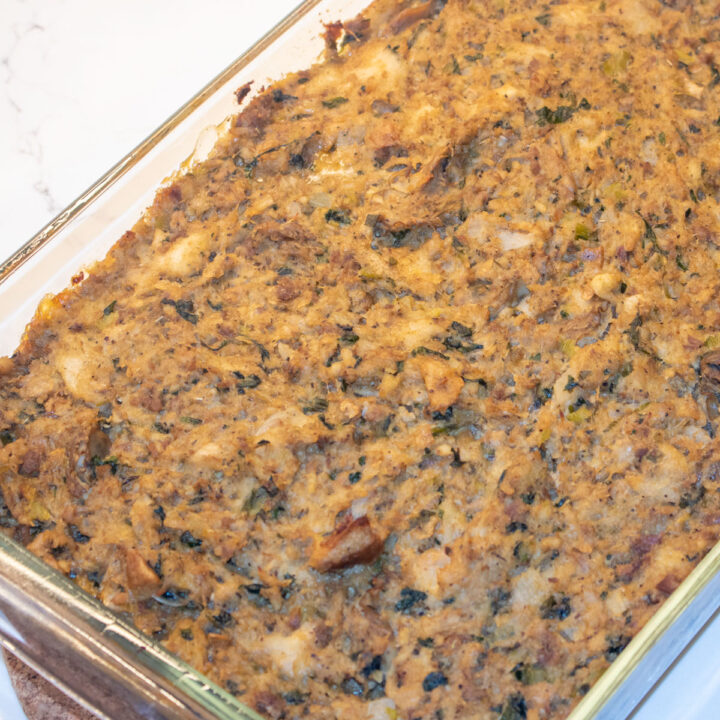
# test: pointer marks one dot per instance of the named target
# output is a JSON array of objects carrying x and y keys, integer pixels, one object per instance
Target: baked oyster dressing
[{"x": 404, "y": 402}]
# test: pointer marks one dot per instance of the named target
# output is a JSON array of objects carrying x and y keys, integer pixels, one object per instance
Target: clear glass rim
[
  {"x": 48, "y": 232},
  {"x": 697, "y": 590},
  {"x": 36, "y": 599}
]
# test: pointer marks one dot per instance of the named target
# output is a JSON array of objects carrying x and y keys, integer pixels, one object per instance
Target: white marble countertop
[{"x": 83, "y": 82}]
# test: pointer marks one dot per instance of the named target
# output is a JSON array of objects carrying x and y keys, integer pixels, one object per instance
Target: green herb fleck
[
  {"x": 184, "y": 308},
  {"x": 334, "y": 102},
  {"x": 651, "y": 237},
  {"x": 246, "y": 383},
  {"x": 530, "y": 674},
  {"x": 409, "y": 601},
  {"x": 555, "y": 608},
  {"x": 76, "y": 535},
  {"x": 427, "y": 351},
  {"x": 515, "y": 708},
  {"x": 715, "y": 76},
  {"x": 546, "y": 116},
  {"x": 341, "y": 217},
  {"x": 316, "y": 405},
  {"x": 187, "y": 538},
  {"x": 583, "y": 232},
  {"x": 6, "y": 437},
  {"x": 349, "y": 338},
  {"x": 453, "y": 67}
]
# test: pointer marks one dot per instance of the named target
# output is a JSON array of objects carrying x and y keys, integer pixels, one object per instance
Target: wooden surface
[{"x": 40, "y": 699}]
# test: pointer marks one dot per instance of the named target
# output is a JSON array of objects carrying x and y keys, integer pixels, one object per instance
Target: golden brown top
[{"x": 403, "y": 404}]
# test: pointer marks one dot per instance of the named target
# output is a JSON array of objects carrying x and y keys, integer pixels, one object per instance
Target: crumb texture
[{"x": 403, "y": 403}]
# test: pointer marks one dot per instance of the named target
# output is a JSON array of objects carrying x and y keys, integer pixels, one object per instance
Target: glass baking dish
[{"x": 67, "y": 636}]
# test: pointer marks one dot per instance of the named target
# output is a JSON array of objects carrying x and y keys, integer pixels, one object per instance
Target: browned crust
[{"x": 352, "y": 543}]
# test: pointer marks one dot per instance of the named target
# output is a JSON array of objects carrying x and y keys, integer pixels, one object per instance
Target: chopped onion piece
[
  {"x": 511, "y": 240},
  {"x": 352, "y": 136},
  {"x": 321, "y": 199},
  {"x": 476, "y": 228}
]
